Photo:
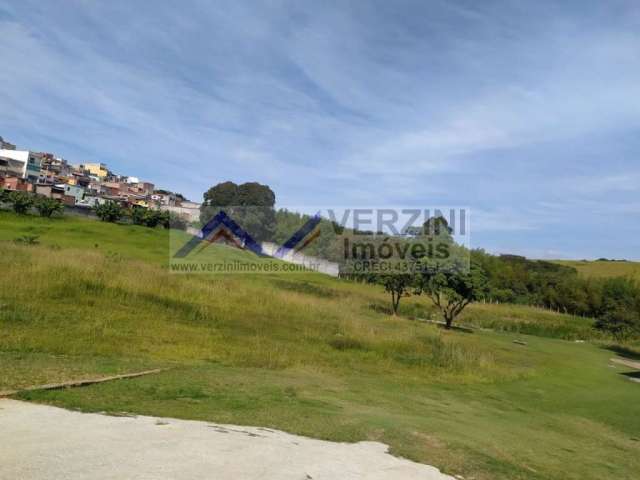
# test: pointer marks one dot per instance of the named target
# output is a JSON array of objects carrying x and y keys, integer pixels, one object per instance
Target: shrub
[
  {"x": 137, "y": 215},
  {"x": 48, "y": 206},
  {"x": 147, "y": 217},
  {"x": 621, "y": 308},
  {"x": 20, "y": 201},
  {"x": 109, "y": 212},
  {"x": 153, "y": 218}
]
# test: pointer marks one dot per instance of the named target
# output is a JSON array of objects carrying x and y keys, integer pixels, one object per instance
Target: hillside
[
  {"x": 308, "y": 354},
  {"x": 602, "y": 269}
]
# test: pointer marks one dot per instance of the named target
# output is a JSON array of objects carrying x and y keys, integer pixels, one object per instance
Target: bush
[
  {"x": 153, "y": 218},
  {"x": 173, "y": 220},
  {"x": 621, "y": 308},
  {"x": 20, "y": 201},
  {"x": 137, "y": 215},
  {"x": 147, "y": 217},
  {"x": 109, "y": 212},
  {"x": 48, "y": 206}
]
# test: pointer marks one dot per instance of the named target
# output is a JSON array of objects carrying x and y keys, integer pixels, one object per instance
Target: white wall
[
  {"x": 20, "y": 155},
  {"x": 193, "y": 214}
]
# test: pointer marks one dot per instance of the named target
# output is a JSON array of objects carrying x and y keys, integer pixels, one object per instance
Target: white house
[{"x": 21, "y": 163}]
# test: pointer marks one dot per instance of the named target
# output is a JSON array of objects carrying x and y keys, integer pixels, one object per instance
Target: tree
[
  {"x": 620, "y": 314},
  {"x": 48, "y": 206},
  {"x": 251, "y": 205},
  {"x": 137, "y": 215},
  {"x": 153, "y": 218},
  {"x": 221, "y": 195},
  {"x": 20, "y": 201},
  {"x": 109, "y": 212},
  {"x": 398, "y": 285},
  {"x": 451, "y": 288},
  {"x": 437, "y": 226},
  {"x": 147, "y": 217}
]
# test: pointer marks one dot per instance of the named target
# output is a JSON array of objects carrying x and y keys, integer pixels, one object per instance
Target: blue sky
[{"x": 526, "y": 112}]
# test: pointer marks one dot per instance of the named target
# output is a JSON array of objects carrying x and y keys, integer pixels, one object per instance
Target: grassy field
[
  {"x": 602, "y": 269},
  {"x": 310, "y": 355}
]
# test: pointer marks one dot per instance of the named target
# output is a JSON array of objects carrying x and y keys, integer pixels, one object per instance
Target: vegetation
[
  {"x": 251, "y": 205},
  {"x": 47, "y": 207},
  {"x": 615, "y": 302},
  {"x": 311, "y": 355},
  {"x": 451, "y": 289},
  {"x": 21, "y": 202},
  {"x": 603, "y": 268},
  {"x": 398, "y": 286},
  {"x": 620, "y": 308},
  {"x": 149, "y": 217},
  {"x": 175, "y": 221},
  {"x": 109, "y": 211}
]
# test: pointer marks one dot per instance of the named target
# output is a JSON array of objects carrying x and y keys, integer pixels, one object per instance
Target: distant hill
[{"x": 603, "y": 268}]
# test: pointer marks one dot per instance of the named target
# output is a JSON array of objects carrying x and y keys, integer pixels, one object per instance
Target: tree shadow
[
  {"x": 623, "y": 352},
  {"x": 635, "y": 376}
]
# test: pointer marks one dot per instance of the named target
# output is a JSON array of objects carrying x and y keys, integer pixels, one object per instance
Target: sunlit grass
[
  {"x": 602, "y": 269},
  {"x": 80, "y": 301},
  {"x": 311, "y": 355}
]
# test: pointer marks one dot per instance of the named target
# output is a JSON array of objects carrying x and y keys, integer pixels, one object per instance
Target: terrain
[
  {"x": 310, "y": 355},
  {"x": 604, "y": 268}
]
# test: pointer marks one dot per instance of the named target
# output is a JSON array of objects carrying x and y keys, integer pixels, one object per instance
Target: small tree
[
  {"x": 451, "y": 288},
  {"x": 147, "y": 217},
  {"x": 398, "y": 285},
  {"x": 109, "y": 212},
  {"x": 20, "y": 201},
  {"x": 48, "y": 206},
  {"x": 137, "y": 215},
  {"x": 152, "y": 218}
]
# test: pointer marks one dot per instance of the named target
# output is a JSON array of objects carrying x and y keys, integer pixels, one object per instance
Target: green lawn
[{"x": 310, "y": 355}]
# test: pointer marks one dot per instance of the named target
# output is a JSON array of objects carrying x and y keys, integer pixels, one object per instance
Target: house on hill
[
  {"x": 21, "y": 163},
  {"x": 15, "y": 184}
]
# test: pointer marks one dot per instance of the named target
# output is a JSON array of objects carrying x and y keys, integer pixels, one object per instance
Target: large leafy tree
[
  {"x": 251, "y": 205},
  {"x": 221, "y": 195},
  {"x": 451, "y": 287}
]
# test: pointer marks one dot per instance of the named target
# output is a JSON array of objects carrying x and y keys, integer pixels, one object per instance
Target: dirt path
[{"x": 42, "y": 442}]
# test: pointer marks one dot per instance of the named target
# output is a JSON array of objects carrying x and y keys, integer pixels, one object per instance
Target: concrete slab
[{"x": 39, "y": 442}]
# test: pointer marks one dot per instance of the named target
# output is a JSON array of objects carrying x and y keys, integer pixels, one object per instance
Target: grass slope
[
  {"x": 602, "y": 269},
  {"x": 310, "y": 355}
]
